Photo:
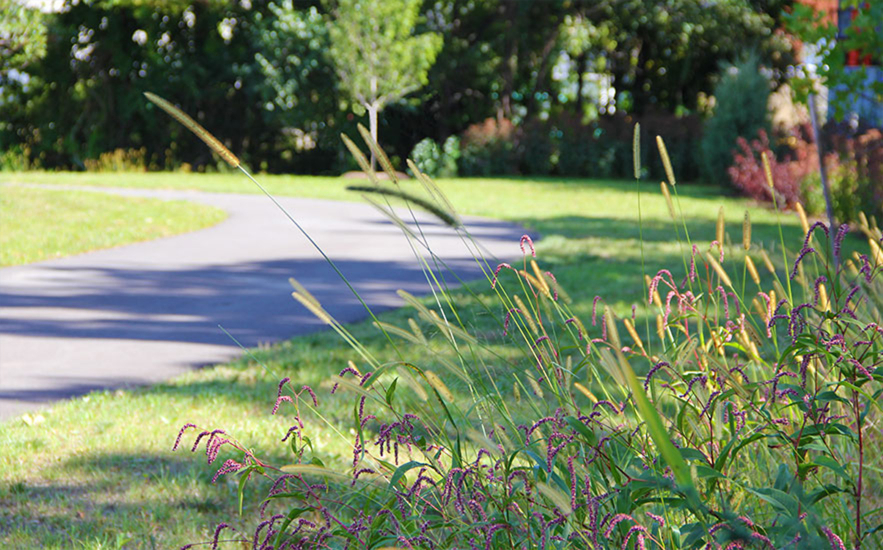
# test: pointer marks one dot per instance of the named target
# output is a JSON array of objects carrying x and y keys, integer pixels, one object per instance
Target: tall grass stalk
[{"x": 744, "y": 424}]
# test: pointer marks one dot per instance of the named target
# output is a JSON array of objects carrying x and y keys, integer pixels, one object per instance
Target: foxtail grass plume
[
  {"x": 527, "y": 316},
  {"x": 746, "y": 231},
  {"x": 585, "y": 391},
  {"x": 768, "y": 172},
  {"x": 636, "y": 150},
  {"x": 438, "y": 386},
  {"x": 313, "y": 307},
  {"x": 559, "y": 499},
  {"x": 666, "y": 162},
  {"x": 823, "y": 298},
  {"x": 397, "y": 193},
  {"x": 767, "y": 262},
  {"x": 752, "y": 270},
  {"x": 719, "y": 270},
  {"x": 360, "y": 158},
  {"x": 533, "y": 384},
  {"x": 719, "y": 228},
  {"x": 194, "y": 127},
  {"x": 876, "y": 252},
  {"x": 633, "y": 333},
  {"x": 379, "y": 154},
  {"x": 801, "y": 213},
  {"x": 612, "y": 332},
  {"x": 667, "y": 195},
  {"x": 304, "y": 293},
  {"x": 541, "y": 281}
]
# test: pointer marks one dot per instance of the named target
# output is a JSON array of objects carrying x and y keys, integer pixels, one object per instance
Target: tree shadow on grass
[{"x": 155, "y": 501}]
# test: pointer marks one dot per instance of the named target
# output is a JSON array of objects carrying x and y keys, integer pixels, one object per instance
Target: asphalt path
[{"x": 143, "y": 313}]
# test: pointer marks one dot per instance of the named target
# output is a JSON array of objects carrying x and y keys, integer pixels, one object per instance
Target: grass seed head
[
  {"x": 768, "y": 172},
  {"x": 194, "y": 127},
  {"x": 666, "y": 162},
  {"x": 801, "y": 213},
  {"x": 752, "y": 270},
  {"x": 746, "y": 231},
  {"x": 636, "y": 150}
]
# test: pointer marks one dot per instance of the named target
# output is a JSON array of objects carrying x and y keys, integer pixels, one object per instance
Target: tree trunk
[
  {"x": 372, "y": 124},
  {"x": 372, "y": 118}
]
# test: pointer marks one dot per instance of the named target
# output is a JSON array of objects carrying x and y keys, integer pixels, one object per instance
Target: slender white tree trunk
[
  {"x": 372, "y": 123},
  {"x": 372, "y": 117}
]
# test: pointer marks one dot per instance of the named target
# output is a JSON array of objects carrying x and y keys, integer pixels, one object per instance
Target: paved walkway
[{"x": 146, "y": 312}]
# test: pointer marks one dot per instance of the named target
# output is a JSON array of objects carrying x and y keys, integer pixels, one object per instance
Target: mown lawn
[
  {"x": 40, "y": 224},
  {"x": 98, "y": 471}
]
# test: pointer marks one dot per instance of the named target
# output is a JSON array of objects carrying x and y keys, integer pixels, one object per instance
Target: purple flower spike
[
  {"x": 309, "y": 390},
  {"x": 838, "y": 238},
  {"x": 527, "y": 239},
  {"x": 802, "y": 255},
  {"x": 554, "y": 288},
  {"x": 181, "y": 433},
  {"x": 218, "y": 529},
  {"x": 834, "y": 540},
  {"x": 229, "y": 466},
  {"x": 613, "y": 522},
  {"x": 658, "y": 519},
  {"x": 497, "y": 272},
  {"x": 508, "y": 318},
  {"x": 813, "y": 228},
  {"x": 653, "y": 371},
  {"x": 595, "y": 306},
  {"x": 279, "y": 401}
]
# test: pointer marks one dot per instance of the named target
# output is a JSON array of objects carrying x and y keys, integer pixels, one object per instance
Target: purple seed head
[
  {"x": 309, "y": 390},
  {"x": 181, "y": 433},
  {"x": 218, "y": 529},
  {"x": 813, "y": 228},
  {"x": 526, "y": 239},
  {"x": 800, "y": 257},
  {"x": 497, "y": 272},
  {"x": 838, "y": 238}
]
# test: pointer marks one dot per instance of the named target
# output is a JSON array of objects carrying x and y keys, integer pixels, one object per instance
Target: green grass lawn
[
  {"x": 98, "y": 471},
  {"x": 40, "y": 224}
]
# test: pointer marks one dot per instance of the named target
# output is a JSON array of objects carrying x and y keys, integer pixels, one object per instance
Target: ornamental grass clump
[{"x": 734, "y": 409}]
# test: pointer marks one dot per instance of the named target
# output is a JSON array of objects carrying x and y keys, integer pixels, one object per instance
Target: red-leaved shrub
[{"x": 747, "y": 172}]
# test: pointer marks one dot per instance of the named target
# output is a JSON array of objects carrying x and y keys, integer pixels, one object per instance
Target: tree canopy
[
  {"x": 378, "y": 58},
  {"x": 277, "y": 80}
]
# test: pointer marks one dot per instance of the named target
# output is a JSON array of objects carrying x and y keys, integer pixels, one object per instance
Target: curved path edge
[{"x": 146, "y": 312}]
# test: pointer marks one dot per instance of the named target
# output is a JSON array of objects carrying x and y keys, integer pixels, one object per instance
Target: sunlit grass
[
  {"x": 40, "y": 224},
  {"x": 99, "y": 471}
]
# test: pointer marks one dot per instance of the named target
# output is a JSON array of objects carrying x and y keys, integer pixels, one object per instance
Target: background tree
[
  {"x": 22, "y": 37},
  {"x": 862, "y": 38},
  {"x": 299, "y": 85},
  {"x": 741, "y": 98},
  {"x": 378, "y": 58}
]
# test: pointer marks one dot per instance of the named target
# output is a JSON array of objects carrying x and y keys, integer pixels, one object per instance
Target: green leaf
[
  {"x": 401, "y": 470},
  {"x": 824, "y": 491},
  {"x": 780, "y": 500},
  {"x": 243, "y": 478},
  {"x": 391, "y": 391},
  {"x": 583, "y": 430},
  {"x": 834, "y": 466},
  {"x": 706, "y": 472},
  {"x": 658, "y": 432}
]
